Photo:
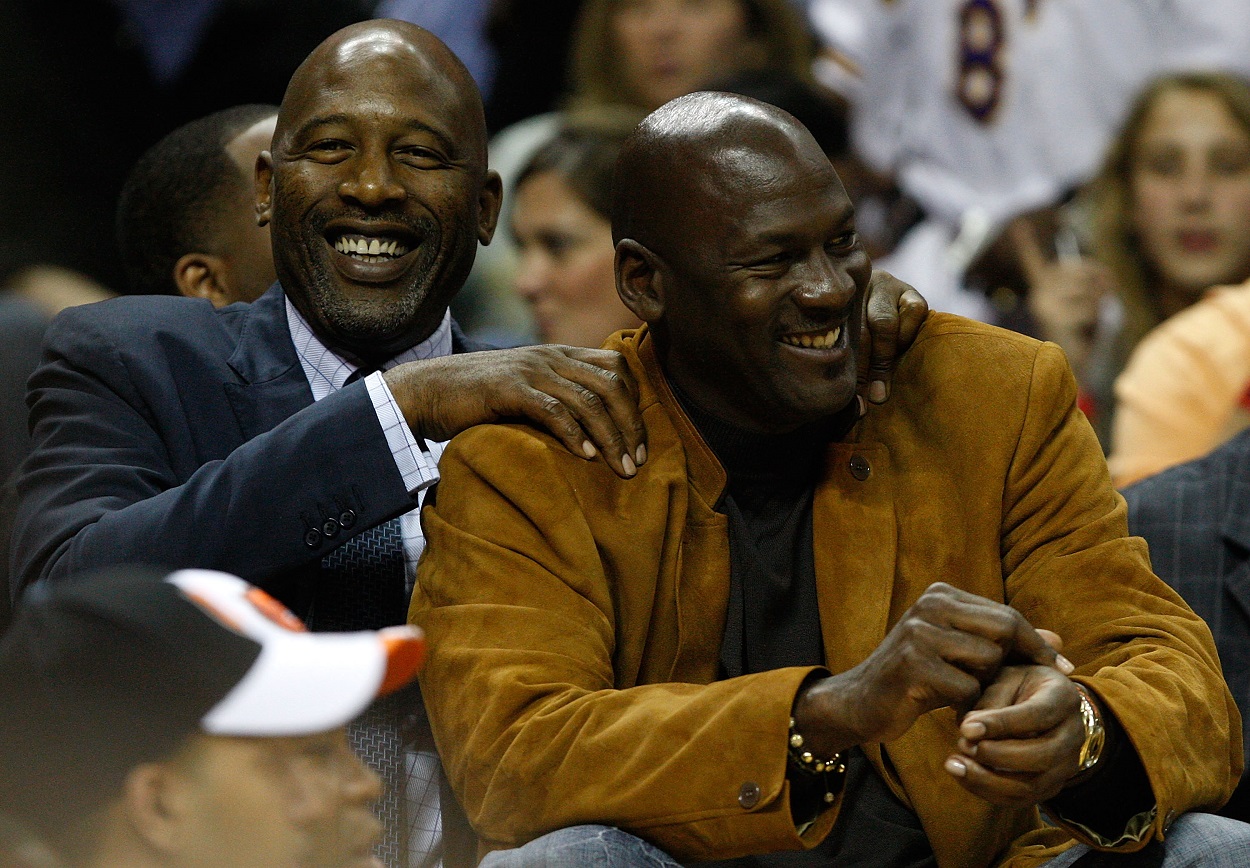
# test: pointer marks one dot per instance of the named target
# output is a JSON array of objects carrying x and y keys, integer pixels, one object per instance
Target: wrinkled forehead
[{"x": 386, "y": 72}]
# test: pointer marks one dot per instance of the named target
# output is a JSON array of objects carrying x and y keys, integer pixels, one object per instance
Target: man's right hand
[
  {"x": 585, "y": 398},
  {"x": 944, "y": 651}
]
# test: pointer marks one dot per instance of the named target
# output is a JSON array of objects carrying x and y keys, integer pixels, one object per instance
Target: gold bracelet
[
  {"x": 1095, "y": 733},
  {"x": 832, "y": 769}
]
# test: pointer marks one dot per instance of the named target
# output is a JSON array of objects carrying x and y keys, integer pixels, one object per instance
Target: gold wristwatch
[{"x": 1095, "y": 733}]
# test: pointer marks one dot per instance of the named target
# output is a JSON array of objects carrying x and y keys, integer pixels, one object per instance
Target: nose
[
  {"x": 1195, "y": 188},
  {"x": 824, "y": 282},
  {"x": 531, "y": 275},
  {"x": 371, "y": 181}
]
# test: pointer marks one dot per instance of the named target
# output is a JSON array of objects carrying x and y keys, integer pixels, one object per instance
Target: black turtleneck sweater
[{"x": 773, "y": 621}]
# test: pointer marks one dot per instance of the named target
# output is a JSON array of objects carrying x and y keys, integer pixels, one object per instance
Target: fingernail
[
  {"x": 973, "y": 729},
  {"x": 876, "y": 392},
  {"x": 1064, "y": 664},
  {"x": 588, "y": 449},
  {"x": 861, "y": 405},
  {"x": 628, "y": 464},
  {"x": 956, "y": 767},
  {"x": 641, "y": 453}
]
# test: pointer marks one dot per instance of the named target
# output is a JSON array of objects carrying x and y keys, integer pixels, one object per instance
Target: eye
[
  {"x": 772, "y": 262},
  {"x": 328, "y": 150},
  {"x": 843, "y": 242},
  {"x": 1166, "y": 165},
  {"x": 422, "y": 158},
  {"x": 1230, "y": 162}
]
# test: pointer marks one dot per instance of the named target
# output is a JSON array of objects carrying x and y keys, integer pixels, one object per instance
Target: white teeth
[
  {"x": 819, "y": 342},
  {"x": 369, "y": 246}
]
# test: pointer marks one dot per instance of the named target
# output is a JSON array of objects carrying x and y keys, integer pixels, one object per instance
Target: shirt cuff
[{"x": 416, "y": 465}]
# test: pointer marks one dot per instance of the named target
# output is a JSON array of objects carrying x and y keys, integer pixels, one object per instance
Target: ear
[
  {"x": 489, "y": 201},
  {"x": 203, "y": 275},
  {"x": 264, "y": 188},
  {"x": 640, "y": 279},
  {"x": 152, "y": 806}
]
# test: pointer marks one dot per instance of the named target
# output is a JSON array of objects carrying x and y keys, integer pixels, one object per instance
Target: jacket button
[
  {"x": 347, "y": 518},
  {"x": 749, "y": 795},
  {"x": 860, "y": 468},
  {"x": 312, "y": 539},
  {"x": 330, "y": 527}
]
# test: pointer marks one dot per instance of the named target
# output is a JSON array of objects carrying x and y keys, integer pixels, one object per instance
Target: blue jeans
[{"x": 1198, "y": 840}]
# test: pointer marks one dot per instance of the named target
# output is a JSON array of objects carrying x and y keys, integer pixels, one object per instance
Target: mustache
[{"x": 421, "y": 226}]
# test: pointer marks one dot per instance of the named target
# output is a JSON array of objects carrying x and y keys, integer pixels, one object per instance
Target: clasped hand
[{"x": 1020, "y": 734}]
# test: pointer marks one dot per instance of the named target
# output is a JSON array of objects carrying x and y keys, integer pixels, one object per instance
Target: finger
[
  {"x": 1051, "y": 638},
  {"x": 1004, "y": 788},
  {"x": 1023, "y": 238},
  {"x": 996, "y": 621},
  {"x": 1046, "y": 701},
  {"x": 605, "y": 374},
  {"x": 881, "y": 320},
  {"x": 1055, "y": 749},
  {"x": 553, "y": 414}
]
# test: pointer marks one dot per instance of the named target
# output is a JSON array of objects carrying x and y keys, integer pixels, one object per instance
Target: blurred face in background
[
  {"x": 1189, "y": 183},
  {"x": 673, "y": 47},
  {"x": 565, "y": 264}
]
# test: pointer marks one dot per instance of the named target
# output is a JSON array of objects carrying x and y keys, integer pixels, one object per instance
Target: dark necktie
[{"x": 363, "y": 587}]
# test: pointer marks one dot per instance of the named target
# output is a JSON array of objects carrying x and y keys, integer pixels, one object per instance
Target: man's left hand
[
  {"x": 1021, "y": 744},
  {"x": 893, "y": 314}
]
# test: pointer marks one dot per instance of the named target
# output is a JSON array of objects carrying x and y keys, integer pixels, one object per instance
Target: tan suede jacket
[{"x": 575, "y": 618}]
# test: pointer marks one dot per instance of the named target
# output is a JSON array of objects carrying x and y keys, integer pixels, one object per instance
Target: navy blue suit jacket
[
  {"x": 167, "y": 432},
  {"x": 1196, "y": 519}
]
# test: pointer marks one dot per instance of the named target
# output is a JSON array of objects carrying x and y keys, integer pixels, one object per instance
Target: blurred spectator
[
  {"x": 646, "y": 52},
  {"x": 1186, "y": 388},
  {"x": 186, "y": 219},
  {"x": 190, "y": 720},
  {"x": 985, "y": 110},
  {"x": 561, "y": 220},
  {"x": 638, "y": 54},
  {"x": 90, "y": 86},
  {"x": 1171, "y": 218}
]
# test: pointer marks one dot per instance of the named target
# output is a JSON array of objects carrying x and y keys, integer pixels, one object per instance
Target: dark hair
[
  {"x": 583, "y": 154},
  {"x": 173, "y": 195}
]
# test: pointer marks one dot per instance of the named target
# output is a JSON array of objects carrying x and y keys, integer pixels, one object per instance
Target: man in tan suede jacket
[{"x": 809, "y": 624}]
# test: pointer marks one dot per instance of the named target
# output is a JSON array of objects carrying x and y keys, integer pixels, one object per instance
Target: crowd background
[{"x": 1076, "y": 171}]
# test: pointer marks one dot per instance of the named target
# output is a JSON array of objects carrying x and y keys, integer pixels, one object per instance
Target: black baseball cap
[{"x": 102, "y": 674}]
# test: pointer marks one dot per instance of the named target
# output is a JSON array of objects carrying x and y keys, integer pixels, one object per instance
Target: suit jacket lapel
[{"x": 271, "y": 386}]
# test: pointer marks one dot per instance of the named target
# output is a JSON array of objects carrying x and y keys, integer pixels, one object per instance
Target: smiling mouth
[
  {"x": 370, "y": 249},
  {"x": 814, "y": 342}
]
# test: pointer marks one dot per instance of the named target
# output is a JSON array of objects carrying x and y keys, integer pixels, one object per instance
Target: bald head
[
  {"x": 692, "y": 154},
  {"x": 418, "y": 55}
]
